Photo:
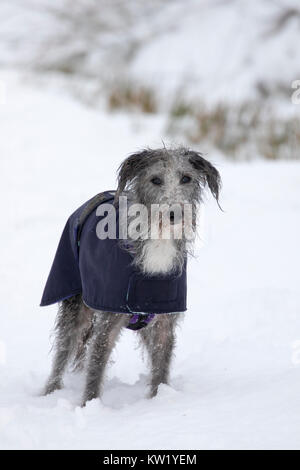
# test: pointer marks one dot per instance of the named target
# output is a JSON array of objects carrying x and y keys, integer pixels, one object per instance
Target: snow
[
  {"x": 222, "y": 51},
  {"x": 236, "y": 375},
  {"x": 212, "y": 50}
]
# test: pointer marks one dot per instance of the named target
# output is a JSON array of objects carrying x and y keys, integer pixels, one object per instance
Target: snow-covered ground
[{"x": 236, "y": 376}]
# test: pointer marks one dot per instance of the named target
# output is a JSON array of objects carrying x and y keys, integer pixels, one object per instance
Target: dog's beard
[
  {"x": 160, "y": 253},
  {"x": 159, "y": 256},
  {"x": 157, "y": 245}
]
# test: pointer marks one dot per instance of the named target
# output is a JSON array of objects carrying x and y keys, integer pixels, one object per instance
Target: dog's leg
[
  {"x": 66, "y": 328},
  {"x": 85, "y": 332},
  {"x": 107, "y": 328},
  {"x": 81, "y": 349},
  {"x": 159, "y": 340}
]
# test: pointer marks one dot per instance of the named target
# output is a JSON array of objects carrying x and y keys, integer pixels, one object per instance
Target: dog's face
[{"x": 168, "y": 177}]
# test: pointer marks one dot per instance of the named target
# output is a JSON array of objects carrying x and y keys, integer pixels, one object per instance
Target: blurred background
[
  {"x": 218, "y": 72},
  {"x": 83, "y": 83}
]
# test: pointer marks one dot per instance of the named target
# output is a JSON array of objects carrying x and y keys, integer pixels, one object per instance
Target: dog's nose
[{"x": 172, "y": 218}]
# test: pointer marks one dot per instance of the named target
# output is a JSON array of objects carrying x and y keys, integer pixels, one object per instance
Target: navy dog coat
[{"x": 104, "y": 273}]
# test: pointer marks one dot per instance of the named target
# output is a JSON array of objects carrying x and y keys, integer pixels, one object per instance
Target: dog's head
[{"x": 168, "y": 177}]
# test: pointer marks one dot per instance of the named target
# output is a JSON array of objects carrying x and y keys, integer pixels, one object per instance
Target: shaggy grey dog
[{"x": 84, "y": 336}]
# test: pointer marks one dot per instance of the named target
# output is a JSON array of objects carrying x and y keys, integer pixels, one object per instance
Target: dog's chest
[{"x": 158, "y": 256}]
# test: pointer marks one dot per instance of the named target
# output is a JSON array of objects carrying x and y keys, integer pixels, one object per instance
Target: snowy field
[{"x": 236, "y": 377}]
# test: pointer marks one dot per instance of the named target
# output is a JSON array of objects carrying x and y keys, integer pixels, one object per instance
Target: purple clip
[
  {"x": 149, "y": 317},
  {"x": 134, "y": 319}
]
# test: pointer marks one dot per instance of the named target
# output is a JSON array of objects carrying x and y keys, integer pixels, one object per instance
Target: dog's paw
[{"x": 51, "y": 386}]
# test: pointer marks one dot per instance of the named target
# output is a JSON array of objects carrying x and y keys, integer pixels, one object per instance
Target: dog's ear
[
  {"x": 129, "y": 169},
  {"x": 208, "y": 172}
]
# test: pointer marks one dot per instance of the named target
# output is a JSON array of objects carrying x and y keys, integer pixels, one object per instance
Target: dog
[{"x": 86, "y": 331}]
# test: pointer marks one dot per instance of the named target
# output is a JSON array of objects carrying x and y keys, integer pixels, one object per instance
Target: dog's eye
[
  {"x": 185, "y": 179},
  {"x": 156, "y": 181}
]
